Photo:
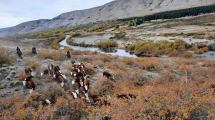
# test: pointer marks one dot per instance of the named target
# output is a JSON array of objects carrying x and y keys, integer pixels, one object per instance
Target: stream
[{"x": 116, "y": 52}]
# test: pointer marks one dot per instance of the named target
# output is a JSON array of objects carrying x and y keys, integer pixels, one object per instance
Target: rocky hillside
[{"x": 114, "y": 10}]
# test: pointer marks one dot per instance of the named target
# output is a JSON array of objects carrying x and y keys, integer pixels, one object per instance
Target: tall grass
[
  {"x": 107, "y": 44},
  {"x": 52, "y": 54},
  {"x": 4, "y": 57}
]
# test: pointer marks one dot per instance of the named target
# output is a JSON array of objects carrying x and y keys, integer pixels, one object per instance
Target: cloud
[{"x": 13, "y": 12}]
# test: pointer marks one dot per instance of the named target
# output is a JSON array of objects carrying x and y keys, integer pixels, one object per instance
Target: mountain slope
[{"x": 114, "y": 10}]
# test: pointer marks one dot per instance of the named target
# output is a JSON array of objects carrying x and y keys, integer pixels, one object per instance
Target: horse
[
  {"x": 19, "y": 52},
  {"x": 81, "y": 69}
]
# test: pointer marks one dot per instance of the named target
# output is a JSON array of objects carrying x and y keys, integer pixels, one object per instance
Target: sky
[{"x": 13, "y": 12}]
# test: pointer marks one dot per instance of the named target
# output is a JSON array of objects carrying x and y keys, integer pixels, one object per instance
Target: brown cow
[
  {"x": 29, "y": 84},
  {"x": 28, "y": 72}
]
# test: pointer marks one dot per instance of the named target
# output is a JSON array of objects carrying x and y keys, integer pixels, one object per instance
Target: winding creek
[{"x": 117, "y": 52}]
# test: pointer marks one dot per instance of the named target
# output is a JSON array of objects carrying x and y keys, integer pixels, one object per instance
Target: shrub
[
  {"x": 200, "y": 50},
  {"x": 90, "y": 70},
  {"x": 55, "y": 44},
  {"x": 186, "y": 54},
  {"x": 35, "y": 65},
  {"x": 70, "y": 41},
  {"x": 107, "y": 44},
  {"x": 52, "y": 54},
  {"x": 76, "y": 34},
  {"x": 157, "y": 48},
  {"x": 4, "y": 58},
  {"x": 102, "y": 87},
  {"x": 67, "y": 48}
]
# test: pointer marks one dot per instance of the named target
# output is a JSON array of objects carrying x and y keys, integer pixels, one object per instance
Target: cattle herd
[{"x": 76, "y": 87}]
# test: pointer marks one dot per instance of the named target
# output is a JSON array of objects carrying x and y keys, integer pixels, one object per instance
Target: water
[
  {"x": 209, "y": 55},
  {"x": 117, "y": 52}
]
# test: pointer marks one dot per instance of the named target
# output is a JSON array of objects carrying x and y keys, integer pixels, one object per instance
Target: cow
[
  {"x": 19, "y": 52},
  {"x": 28, "y": 72},
  {"x": 58, "y": 75},
  {"x": 29, "y": 84},
  {"x": 48, "y": 101}
]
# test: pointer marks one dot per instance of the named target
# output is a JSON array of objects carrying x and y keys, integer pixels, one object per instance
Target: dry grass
[
  {"x": 200, "y": 50},
  {"x": 102, "y": 87},
  {"x": 52, "y": 54},
  {"x": 33, "y": 64},
  {"x": 4, "y": 57},
  {"x": 104, "y": 44},
  {"x": 167, "y": 96}
]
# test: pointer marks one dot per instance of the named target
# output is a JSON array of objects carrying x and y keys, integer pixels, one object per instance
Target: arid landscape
[{"x": 159, "y": 69}]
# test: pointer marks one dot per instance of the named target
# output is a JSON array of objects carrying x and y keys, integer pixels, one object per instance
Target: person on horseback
[
  {"x": 19, "y": 52},
  {"x": 68, "y": 55},
  {"x": 34, "y": 50}
]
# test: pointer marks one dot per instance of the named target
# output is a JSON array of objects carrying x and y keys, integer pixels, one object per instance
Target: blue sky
[{"x": 13, "y": 12}]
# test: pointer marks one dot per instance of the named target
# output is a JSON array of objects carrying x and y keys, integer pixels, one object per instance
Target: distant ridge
[{"x": 117, "y": 9}]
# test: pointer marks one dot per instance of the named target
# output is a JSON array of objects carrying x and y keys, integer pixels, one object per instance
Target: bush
[
  {"x": 70, "y": 41},
  {"x": 35, "y": 65},
  {"x": 55, "y": 44},
  {"x": 76, "y": 34},
  {"x": 107, "y": 44},
  {"x": 102, "y": 87},
  {"x": 52, "y": 54},
  {"x": 200, "y": 50},
  {"x": 4, "y": 58},
  {"x": 157, "y": 48}
]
